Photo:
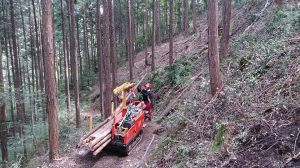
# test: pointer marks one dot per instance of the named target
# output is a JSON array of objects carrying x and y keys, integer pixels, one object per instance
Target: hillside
[{"x": 253, "y": 122}]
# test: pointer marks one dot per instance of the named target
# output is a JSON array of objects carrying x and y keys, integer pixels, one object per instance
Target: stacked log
[{"x": 100, "y": 136}]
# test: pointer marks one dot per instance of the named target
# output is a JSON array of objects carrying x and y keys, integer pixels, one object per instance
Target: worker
[{"x": 146, "y": 92}]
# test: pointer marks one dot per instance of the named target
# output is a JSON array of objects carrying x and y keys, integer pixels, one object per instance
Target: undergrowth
[{"x": 261, "y": 81}]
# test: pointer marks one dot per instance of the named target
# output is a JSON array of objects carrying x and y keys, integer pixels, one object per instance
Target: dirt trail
[{"x": 83, "y": 158}]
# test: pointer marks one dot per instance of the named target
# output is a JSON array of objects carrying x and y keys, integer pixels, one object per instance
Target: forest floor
[{"x": 83, "y": 158}]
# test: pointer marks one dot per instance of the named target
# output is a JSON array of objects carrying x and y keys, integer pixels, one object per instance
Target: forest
[{"x": 224, "y": 75}]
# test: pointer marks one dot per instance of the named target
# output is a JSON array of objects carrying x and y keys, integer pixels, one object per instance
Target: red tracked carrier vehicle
[{"x": 127, "y": 127}]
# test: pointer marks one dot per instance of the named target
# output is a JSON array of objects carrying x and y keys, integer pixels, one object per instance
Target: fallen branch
[
  {"x": 179, "y": 90},
  {"x": 187, "y": 119},
  {"x": 213, "y": 99},
  {"x": 296, "y": 142},
  {"x": 176, "y": 99},
  {"x": 291, "y": 158},
  {"x": 203, "y": 51},
  {"x": 292, "y": 40}
]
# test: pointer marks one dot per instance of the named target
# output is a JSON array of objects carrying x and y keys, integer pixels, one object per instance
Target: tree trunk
[
  {"x": 146, "y": 34},
  {"x": 159, "y": 23},
  {"x": 8, "y": 75},
  {"x": 153, "y": 36},
  {"x": 79, "y": 55},
  {"x": 194, "y": 16},
  {"x": 113, "y": 47},
  {"x": 86, "y": 49},
  {"x": 107, "y": 102},
  {"x": 17, "y": 80},
  {"x": 132, "y": 32},
  {"x": 50, "y": 80},
  {"x": 186, "y": 17},
  {"x": 171, "y": 33},
  {"x": 73, "y": 49},
  {"x": 39, "y": 76},
  {"x": 65, "y": 48},
  {"x": 130, "y": 40},
  {"x": 226, "y": 16},
  {"x": 213, "y": 52},
  {"x": 32, "y": 52},
  {"x": 99, "y": 54},
  {"x": 3, "y": 128},
  {"x": 120, "y": 23}
]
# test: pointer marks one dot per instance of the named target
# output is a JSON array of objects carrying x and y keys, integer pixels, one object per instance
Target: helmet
[{"x": 148, "y": 85}]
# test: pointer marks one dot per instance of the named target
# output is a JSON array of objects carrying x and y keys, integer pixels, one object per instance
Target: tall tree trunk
[
  {"x": 65, "y": 48},
  {"x": 159, "y": 23},
  {"x": 171, "y": 33},
  {"x": 99, "y": 55},
  {"x": 186, "y": 17},
  {"x": 133, "y": 34},
  {"x": 73, "y": 49},
  {"x": 33, "y": 69},
  {"x": 50, "y": 80},
  {"x": 107, "y": 104},
  {"x": 86, "y": 49},
  {"x": 38, "y": 62},
  {"x": 153, "y": 36},
  {"x": 120, "y": 23},
  {"x": 79, "y": 55},
  {"x": 194, "y": 16},
  {"x": 3, "y": 128},
  {"x": 17, "y": 80},
  {"x": 130, "y": 37},
  {"x": 146, "y": 34},
  {"x": 113, "y": 46},
  {"x": 226, "y": 16},
  {"x": 26, "y": 55},
  {"x": 213, "y": 52},
  {"x": 9, "y": 76}
]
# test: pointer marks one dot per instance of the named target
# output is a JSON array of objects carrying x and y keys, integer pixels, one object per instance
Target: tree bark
[
  {"x": 194, "y": 16},
  {"x": 186, "y": 17},
  {"x": 171, "y": 33},
  {"x": 130, "y": 39},
  {"x": 159, "y": 23},
  {"x": 3, "y": 128},
  {"x": 146, "y": 33},
  {"x": 213, "y": 52},
  {"x": 86, "y": 49},
  {"x": 73, "y": 49},
  {"x": 226, "y": 16},
  {"x": 8, "y": 75},
  {"x": 79, "y": 54},
  {"x": 153, "y": 36},
  {"x": 50, "y": 80},
  {"x": 32, "y": 52},
  {"x": 108, "y": 90},
  {"x": 99, "y": 54},
  {"x": 17, "y": 80},
  {"x": 113, "y": 46},
  {"x": 65, "y": 48}
]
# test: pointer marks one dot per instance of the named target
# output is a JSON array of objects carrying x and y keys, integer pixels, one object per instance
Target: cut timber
[
  {"x": 100, "y": 137},
  {"x": 101, "y": 142},
  {"x": 101, "y": 147}
]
